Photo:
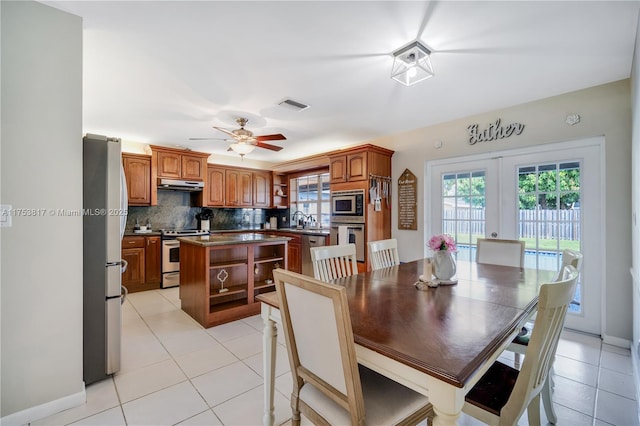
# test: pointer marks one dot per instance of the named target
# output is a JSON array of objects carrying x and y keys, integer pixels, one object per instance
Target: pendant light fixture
[
  {"x": 242, "y": 148},
  {"x": 412, "y": 64}
]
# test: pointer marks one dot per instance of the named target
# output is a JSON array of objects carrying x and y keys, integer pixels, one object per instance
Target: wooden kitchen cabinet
[
  {"x": 153, "y": 260},
  {"x": 194, "y": 167},
  {"x": 348, "y": 168},
  {"x": 174, "y": 163},
  {"x": 215, "y": 187},
  {"x": 238, "y": 188},
  {"x": 261, "y": 189},
  {"x": 169, "y": 165},
  {"x": 137, "y": 171},
  {"x": 133, "y": 253},
  {"x": 144, "y": 269},
  {"x": 294, "y": 250}
]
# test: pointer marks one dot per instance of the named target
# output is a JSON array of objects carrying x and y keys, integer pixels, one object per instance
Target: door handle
[{"x": 494, "y": 235}]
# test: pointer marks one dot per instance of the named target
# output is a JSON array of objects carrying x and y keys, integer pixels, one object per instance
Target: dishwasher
[{"x": 309, "y": 241}]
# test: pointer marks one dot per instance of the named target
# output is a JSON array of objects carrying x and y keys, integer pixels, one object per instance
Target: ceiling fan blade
[
  {"x": 207, "y": 139},
  {"x": 268, "y": 146},
  {"x": 276, "y": 137},
  {"x": 229, "y": 132}
]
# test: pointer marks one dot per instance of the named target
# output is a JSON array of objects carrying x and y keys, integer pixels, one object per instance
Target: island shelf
[{"x": 220, "y": 276}]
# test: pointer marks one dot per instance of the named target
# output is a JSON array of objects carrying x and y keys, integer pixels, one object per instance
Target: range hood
[{"x": 180, "y": 185}]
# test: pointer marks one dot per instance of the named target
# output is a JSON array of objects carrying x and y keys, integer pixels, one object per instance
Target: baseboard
[
  {"x": 636, "y": 374},
  {"x": 45, "y": 410},
  {"x": 616, "y": 341}
]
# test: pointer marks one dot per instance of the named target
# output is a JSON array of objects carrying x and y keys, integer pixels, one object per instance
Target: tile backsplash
[{"x": 174, "y": 211}]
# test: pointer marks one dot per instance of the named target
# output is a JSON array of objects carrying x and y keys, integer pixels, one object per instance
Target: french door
[{"x": 550, "y": 197}]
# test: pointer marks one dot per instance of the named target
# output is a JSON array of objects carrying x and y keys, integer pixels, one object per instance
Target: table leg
[
  {"x": 447, "y": 403},
  {"x": 269, "y": 343}
]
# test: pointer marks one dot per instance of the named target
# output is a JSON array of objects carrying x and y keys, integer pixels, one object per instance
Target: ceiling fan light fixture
[
  {"x": 412, "y": 64},
  {"x": 242, "y": 148}
]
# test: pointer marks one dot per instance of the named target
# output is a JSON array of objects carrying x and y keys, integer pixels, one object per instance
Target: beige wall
[
  {"x": 604, "y": 110},
  {"x": 635, "y": 102},
  {"x": 41, "y": 168}
]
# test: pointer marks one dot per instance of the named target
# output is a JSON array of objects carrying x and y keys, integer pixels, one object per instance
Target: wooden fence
[{"x": 546, "y": 224}]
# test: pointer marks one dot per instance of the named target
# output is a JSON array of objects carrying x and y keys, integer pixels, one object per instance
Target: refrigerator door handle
[{"x": 123, "y": 296}]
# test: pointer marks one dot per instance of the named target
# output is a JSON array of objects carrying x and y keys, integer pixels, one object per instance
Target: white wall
[
  {"x": 41, "y": 168},
  {"x": 604, "y": 110},
  {"x": 635, "y": 270}
]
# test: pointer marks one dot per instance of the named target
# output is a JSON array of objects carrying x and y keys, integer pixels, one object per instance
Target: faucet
[{"x": 302, "y": 217}]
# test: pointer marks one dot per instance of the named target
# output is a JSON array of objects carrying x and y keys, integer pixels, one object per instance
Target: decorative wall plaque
[
  {"x": 408, "y": 201},
  {"x": 493, "y": 132}
]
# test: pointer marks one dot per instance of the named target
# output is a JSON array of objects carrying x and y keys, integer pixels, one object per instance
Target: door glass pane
[
  {"x": 463, "y": 210},
  {"x": 549, "y": 215}
]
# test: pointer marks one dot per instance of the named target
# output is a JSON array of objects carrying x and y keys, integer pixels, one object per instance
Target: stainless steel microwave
[{"x": 347, "y": 206}]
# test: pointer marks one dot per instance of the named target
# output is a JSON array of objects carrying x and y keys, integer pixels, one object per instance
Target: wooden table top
[{"x": 447, "y": 332}]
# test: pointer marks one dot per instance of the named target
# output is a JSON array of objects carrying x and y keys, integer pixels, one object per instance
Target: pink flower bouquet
[{"x": 442, "y": 242}]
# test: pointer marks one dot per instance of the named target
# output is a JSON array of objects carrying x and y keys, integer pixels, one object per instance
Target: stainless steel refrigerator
[{"x": 104, "y": 218}]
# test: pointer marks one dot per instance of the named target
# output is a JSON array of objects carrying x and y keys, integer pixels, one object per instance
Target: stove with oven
[{"x": 171, "y": 254}]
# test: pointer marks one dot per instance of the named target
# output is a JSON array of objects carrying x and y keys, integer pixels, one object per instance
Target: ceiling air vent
[{"x": 294, "y": 105}]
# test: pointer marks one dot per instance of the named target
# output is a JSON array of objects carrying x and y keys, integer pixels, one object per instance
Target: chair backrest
[
  {"x": 553, "y": 302},
  {"x": 500, "y": 252},
  {"x": 317, "y": 327},
  {"x": 332, "y": 262},
  {"x": 570, "y": 257},
  {"x": 383, "y": 253}
]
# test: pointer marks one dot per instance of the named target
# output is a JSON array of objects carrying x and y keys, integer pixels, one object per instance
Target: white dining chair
[
  {"x": 503, "y": 393},
  {"x": 383, "y": 253},
  {"x": 332, "y": 262},
  {"x": 329, "y": 386},
  {"x": 500, "y": 252},
  {"x": 520, "y": 343}
]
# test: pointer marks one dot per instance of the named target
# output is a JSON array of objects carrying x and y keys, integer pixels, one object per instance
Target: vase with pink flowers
[{"x": 444, "y": 265}]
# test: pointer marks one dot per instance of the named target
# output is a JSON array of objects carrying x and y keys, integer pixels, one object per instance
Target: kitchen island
[{"x": 220, "y": 275}]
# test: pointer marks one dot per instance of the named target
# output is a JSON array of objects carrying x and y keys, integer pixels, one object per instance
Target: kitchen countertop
[
  {"x": 237, "y": 238},
  {"x": 307, "y": 231},
  {"x": 142, "y": 234}
]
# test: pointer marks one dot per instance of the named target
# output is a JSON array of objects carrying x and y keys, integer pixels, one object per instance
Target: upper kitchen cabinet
[
  {"x": 179, "y": 164},
  {"x": 261, "y": 189},
  {"x": 215, "y": 188},
  {"x": 171, "y": 163},
  {"x": 356, "y": 164},
  {"x": 137, "y": 171},
  {"x": 238, "y": 188},
  {"x": 348, "y": 167}
]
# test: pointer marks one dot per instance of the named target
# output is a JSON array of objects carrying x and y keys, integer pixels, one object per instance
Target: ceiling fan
[{"x": 244, "y": 141}]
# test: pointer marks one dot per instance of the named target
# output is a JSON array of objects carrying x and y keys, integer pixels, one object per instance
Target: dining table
[{"x": 438, "y": 341}]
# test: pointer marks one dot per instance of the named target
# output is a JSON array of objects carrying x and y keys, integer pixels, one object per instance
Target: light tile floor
[{"x": 176, "y": 372}]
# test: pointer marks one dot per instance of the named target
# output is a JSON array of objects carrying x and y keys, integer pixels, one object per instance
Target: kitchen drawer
[{"x": 133, "y": 242}]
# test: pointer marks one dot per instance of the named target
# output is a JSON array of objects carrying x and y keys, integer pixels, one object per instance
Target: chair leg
[
  {"x": 295, "y": 410},
  {"x": 533, "y": 411},
  {"x": 547, "y": 402}
]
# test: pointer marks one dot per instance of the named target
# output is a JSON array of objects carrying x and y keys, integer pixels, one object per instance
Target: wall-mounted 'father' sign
[{"x": 493, "y": 132}]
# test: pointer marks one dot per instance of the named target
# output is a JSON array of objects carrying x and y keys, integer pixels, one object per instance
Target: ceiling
[{"x": 162, "y": 72}]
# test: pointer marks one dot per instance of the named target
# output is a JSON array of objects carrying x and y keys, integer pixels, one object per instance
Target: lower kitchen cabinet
[
  {"x": 153, "y": 260},
  {"x": 143, "y": 255},
  {"x": 294, "y": 250}
]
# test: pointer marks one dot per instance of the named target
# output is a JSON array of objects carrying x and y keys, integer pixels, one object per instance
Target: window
[{"x": 310, "y": 197}]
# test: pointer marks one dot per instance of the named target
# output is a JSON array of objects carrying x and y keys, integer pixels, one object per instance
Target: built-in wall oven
[
  {"x": 171, "y": 254},
  {"x": 347, "y": 220},
  {"x": 353, "y": 234}
]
